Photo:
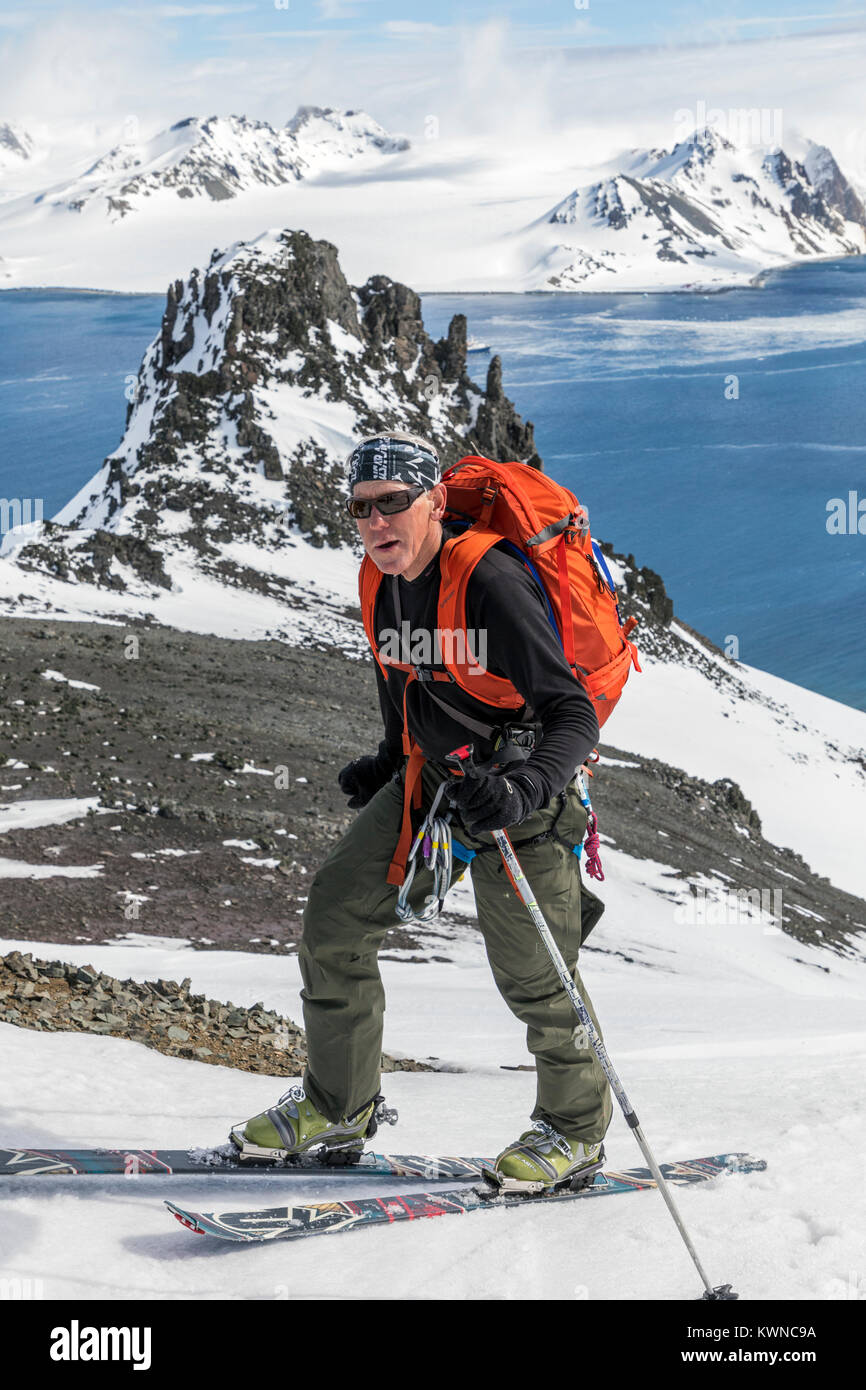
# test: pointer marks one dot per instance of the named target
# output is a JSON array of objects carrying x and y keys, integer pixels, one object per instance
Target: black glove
[
  {"x": 492, "y": 802},
  {"x": 362, "y": 779}
]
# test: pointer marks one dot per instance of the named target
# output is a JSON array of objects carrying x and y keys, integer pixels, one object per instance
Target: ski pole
[{"x": 461, "y": 759}]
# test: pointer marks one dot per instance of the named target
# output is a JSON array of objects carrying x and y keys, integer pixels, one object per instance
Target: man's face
[{"x": 400, "y": 542}]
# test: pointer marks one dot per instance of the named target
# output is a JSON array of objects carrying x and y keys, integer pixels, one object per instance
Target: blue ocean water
[
  {"x": 65, "y": 356},
  {"x": 720, "y": 485},
  {"x": 705, "y": 434}
]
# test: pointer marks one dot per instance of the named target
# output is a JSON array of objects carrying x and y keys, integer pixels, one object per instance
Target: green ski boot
[
  {"x": 294, "y": 1127},
  {"x": 543, "y": 1158}
]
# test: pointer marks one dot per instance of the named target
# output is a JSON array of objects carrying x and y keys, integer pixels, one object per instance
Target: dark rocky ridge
[
  {"x": 262, "y": 321},
  {"x": 270, "y": 706},
  {"x": 833, "y": 186}
]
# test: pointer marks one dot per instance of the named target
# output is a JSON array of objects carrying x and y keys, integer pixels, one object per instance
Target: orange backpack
[{"x": 547, "y": 528}]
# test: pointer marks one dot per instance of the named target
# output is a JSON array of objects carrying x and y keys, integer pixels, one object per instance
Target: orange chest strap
[{"x": 411, "y": 798}]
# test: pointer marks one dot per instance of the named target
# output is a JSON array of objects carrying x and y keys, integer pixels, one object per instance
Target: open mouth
[{"x": 387, "y": 545}]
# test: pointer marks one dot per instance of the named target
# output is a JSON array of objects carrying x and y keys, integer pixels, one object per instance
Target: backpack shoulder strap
[
  {"x": 369, "y": 579},
  {"x": 460, "y": 556}
]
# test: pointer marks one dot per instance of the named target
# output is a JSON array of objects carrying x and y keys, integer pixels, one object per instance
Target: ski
[
  {"x": 28, "y": 1163},
  {"x": 334, "y": 1218}
]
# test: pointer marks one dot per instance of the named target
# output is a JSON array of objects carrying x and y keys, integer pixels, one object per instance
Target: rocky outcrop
[
  {"x": 499, "y": 433},
  {"x": 647, "y": 588},
  {"x": 829, "y": 181},
  {"x": 54, "y": 996},
  {"x": 267, "y": 366}
]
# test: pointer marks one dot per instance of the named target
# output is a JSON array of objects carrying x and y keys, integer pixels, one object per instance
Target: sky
[
  {"x": 206, "y": 30},
  {"x": 515, "y": 69}
]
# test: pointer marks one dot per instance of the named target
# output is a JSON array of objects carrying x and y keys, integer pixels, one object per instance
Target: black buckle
[
  {"x": 426, "y": 673},
  {"x": 520, "y": 734}
]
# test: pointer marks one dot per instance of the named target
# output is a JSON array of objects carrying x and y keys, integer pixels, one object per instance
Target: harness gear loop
[
  {"x": 434, "y": 839},
  {"x": 411, "y": 801},
  {"x": 591, "y": 841}
]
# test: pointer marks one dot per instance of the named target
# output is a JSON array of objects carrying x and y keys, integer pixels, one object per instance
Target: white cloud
[
  {"x": 723, "y": 27},
  {"x": 492, "y": 87},
  {"x": 409, "y": 28},
  {"x": 736, "y": 22},
  {"x": 583, "y": 25},
  {"x": 200, "y": 11},
  {"x": 323, "y": 35},
  {"x": 339, "y": 9},
  {"x": 72, "y": 72}
]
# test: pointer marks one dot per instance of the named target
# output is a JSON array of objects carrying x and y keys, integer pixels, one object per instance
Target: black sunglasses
[{"x": 387, "y": 504}]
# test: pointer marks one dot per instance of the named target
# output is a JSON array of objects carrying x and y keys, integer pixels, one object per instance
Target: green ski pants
[{"x": 351, "y": 907}]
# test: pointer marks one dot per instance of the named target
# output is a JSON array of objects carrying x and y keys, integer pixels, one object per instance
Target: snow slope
[
  {"x": 725, "y": 1038},
  {"x": 797, "y": 756}
]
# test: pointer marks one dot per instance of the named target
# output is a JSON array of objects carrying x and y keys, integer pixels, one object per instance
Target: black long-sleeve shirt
[{"x": 505, "y": 602}]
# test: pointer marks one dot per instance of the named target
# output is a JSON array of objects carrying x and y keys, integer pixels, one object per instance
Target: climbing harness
[
  {"x": 590, "y": 840},
  {"x": 434, "y": 841},
  {"x": 438, "y": 848}
]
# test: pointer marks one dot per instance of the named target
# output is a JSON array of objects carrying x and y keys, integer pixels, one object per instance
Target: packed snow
[
  {"x": 762, "y": 1062},
  {"x": 17, "y": 868},
  {"x": 29, "y": 815},
  {"x": 796, "y": 755}
]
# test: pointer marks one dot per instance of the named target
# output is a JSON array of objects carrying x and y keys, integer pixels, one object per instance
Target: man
[{"x": 398, "y": 501}]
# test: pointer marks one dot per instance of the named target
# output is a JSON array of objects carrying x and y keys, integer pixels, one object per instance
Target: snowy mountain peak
[
  {"x": 230, "y": 475},
  {"x": 342, "y": 133},
  {"x": 702, "y": 148},
  {"x": 220, "y": 157},
  {"x": 705, "y": 205},
  {"x": 827, "y": 179},
  {"x": 307, "y": 116}
]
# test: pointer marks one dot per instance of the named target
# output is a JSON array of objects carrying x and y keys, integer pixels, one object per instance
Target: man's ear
[{"x": 439, "y": 496}]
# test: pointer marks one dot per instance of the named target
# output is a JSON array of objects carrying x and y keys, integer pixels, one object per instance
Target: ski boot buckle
[
  {"x": 256, "y": 1153},
  {"x": 526, "y": 1187}
]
